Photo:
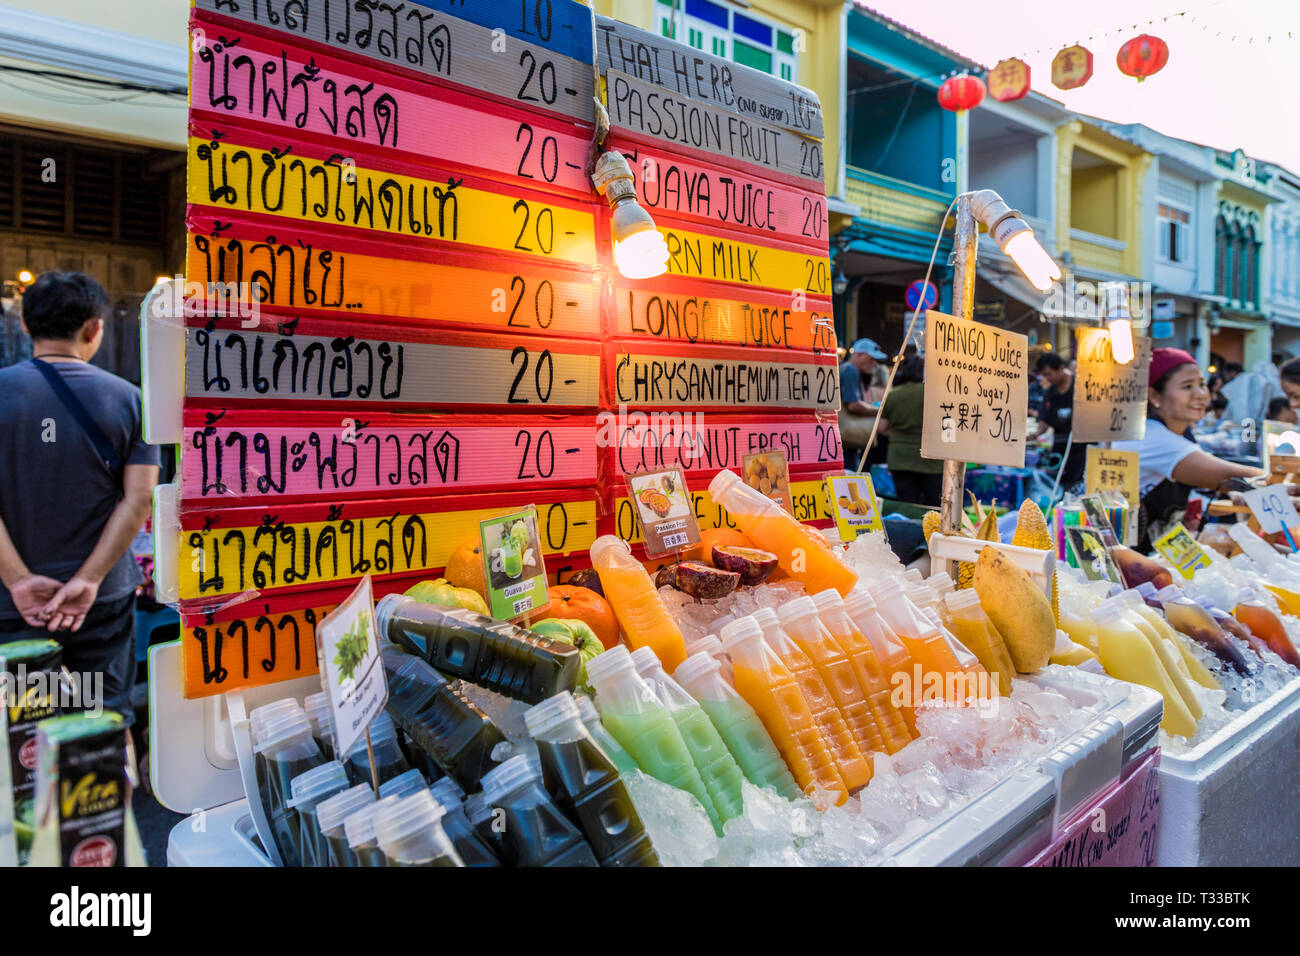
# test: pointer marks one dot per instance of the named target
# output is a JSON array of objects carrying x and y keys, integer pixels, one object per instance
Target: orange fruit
[
  {"x": 715, "y": 537},
  {"x": 465, "y": 568},
  {"x": 583, "y": 604}
]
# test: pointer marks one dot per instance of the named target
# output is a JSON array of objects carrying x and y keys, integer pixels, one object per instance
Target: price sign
[
  {"x": 976, "y": 392},
  {"x": 760, "y": 319},
  {"x": 348, "y": 657},
  {"x": 722, "y": 259},
  {"x": 1109, "y": 470},
  {"x": 1183, "y": 552},
  {"x": 1272, "y": 508},
  {"x": 664, "y": 510},
  {"x": 857, "y": 510},
  {"x": 1110, "y": 399},
  {"x": 721, "y": 380},
  {"x": 514, "y": 568}
]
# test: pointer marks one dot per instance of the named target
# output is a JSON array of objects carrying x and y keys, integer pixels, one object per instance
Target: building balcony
[
  {"x": 1098, "y": 253},
  {"x": 894, "y": 203}
]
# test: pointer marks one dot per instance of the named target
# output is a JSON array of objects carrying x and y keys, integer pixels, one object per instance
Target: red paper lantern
[
  {"x": 963, "y": 92},
  {"x": 1142, "y": 56},
  {"x": 1009, "y": 80}
]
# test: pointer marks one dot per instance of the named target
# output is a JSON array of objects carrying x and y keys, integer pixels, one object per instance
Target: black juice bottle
[
  {"x": 359, "y": 828},
  {"x": 586, "y": 785},
  {"x": 409, "y": 832},
  {"x": 534, "y": 832},
  {"x": 308, "y": 791},
  {"x": 442, "y": 722},
  {"x": 473, "y": 849},
  {"x": 317, "y": 707},
  {"x": 389, "y": 760},
  {"x": 285, "y": 750},
  {"x": 330, "y": 814},
  {"x": 493, "y": 654}
]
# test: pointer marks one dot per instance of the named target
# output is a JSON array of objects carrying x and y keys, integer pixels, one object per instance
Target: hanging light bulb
[
  {"x": 1015, "y": 238},
  {"x": 1121, "y": 339},
  {"x": 639, "y": 250},
  {"x": 25, "y": 277}
]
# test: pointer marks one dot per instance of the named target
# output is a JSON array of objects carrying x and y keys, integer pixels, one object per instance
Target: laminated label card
[
  {"x": 513, "y": 565},
  {"x": 1115, "y": 471},
  {"x": 767, "y": 473},
  {"x": 1183, "y": 552},
  {"x": 854, "y": 504},
  {"x": 664, "y": 508},
  {"x": 350, "y": 667},
  {"x": 1090, "y": 555}
]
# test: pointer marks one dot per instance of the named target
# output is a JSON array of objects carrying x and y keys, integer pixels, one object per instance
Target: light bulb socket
[
  {"x": 613, "y": 177},
  {"x": 1002, "y": 221}
]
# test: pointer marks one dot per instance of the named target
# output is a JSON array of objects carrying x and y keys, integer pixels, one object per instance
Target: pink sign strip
[
  {"x": 649, "y": 441},
  {"x": 355, "y": 107},
  {"x": 721, "y": 196},
  {"x": 354, "y": 458}
]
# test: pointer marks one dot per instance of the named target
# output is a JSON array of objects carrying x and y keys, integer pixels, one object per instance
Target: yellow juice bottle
[
  {"x": 798, "y": 552},
  {"x": 977, "y": 682},
  {"x": 973, "y": 628},
  {"x": 1126, "y": 653},
  {"x": 1169, "y": 656},
  {"x": 641, "y": 612}
]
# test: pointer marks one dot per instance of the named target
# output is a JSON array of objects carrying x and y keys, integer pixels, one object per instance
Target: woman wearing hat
[{"x": 1170, "y": 463}]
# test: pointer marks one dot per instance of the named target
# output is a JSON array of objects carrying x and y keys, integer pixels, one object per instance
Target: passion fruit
[
  {"x": 753, "y": 566},
  {"x": 701, "y": 581}
]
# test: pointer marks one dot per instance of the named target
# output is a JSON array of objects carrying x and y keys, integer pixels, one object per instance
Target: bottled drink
[
  {"x": 441, "y": 721},
  {"x": 389, "y": 761},
  {"x": 632, "y": 711},
  {"x": 718, "y": 769},
  {"x": 930, "y": 653},
  {"x": 403, "y": 785},
  {"x": 41, "y": 657},
  {"x": 330, "y": 814},
  {"x": 483, "y": 818},
  {"x": 1126, "y": 653},
  {"x": 1154, "y": 615},
  {"x": 494, "y": 654},
  {"x": 641, "y": 613},
  {"x": 977, "y": 682},
  {"x": 1230, "y": 624},
  {"x": 712, "y": 645},
  {"x": 1169, "y": 656},
  {"x": 284, "y": 750},
  {"x": 307, "y": 791},
  {"x": 359, "y": 827},
  {"x": 409, "y": 832},
  {"x": 895, "y": 659},
  {"x": 798, "y": 552},
  {"x": 534, "y": 831},
  {"x": 800, "y": 620},
  {"x": 767, "y": 685},
  {"x": 317, "y": 707},
  {"x": 620, "y": 758},
  {"x": 1190, "y": 618},
  {"x": 854, "y": 769},
  {"x": 473, "y": 849},
  {"x": 701, "y": 676},
  {"x": 973, "y": 628},
  {"x": 1264, "y": 623},
  {"x": 586, "y": 785}
]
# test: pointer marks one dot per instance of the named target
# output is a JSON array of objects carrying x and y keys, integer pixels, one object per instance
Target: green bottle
[
  {"x": 620, "y": 758},
  {"x": 631, "y": 710},
  {"x": 745, "y": 736}
]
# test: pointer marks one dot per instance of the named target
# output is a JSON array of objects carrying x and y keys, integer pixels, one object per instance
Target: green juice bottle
[
  {"x": 737, "y": 724},
  {"x": 619, "y": 757},
  {"x": 632, "y": 711},
  {"x": 717, "y": 767}
]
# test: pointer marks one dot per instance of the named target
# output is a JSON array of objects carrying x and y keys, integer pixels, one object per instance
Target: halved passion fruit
[{"x": 753, "y": 566}]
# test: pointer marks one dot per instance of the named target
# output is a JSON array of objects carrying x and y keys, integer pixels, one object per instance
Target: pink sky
[{"x": 1214, "y": 90}]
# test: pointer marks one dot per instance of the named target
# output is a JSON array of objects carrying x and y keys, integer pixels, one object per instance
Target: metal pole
[{"x": 963, "y": 289}]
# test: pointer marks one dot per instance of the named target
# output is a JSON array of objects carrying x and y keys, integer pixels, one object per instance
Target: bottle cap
[
  {"x": 913, "y": 576},
  {"x": 317, "y": 707},
  {"x": 477, "y": 808},
  {"x": 326, "y": 779},
  {"x": 766, "y": 618},
  {"x": 859, "y": 601},
  {"x": 258, "y": 717},
  {"x": 502, "y": 779},
  {"x": 447, "y": 792},
  {"x": 604, "y": 666},
  {"x": 283, "y": 727},
  {"x": 799, "y": 609},
  {"x": 382, "y": 731},
  {"x": 608, "y": 543},
  {"x": 405, "y": 817},
  {"x": 551, "y": 714},
  {"x": 586, "y": 708},
  {"x": 332, "y": 811},
  {"x": 403, "y": 785},
  {"x": 711, "y": 644},
  {"x": 1243, "y": 595},
  {"x": 1146, "y": 590},
  {"x": 722, "y": 482},
  {"x": 359, "y": 827},
  {"x": 388, "y": 606},
  {"x": 738, "y": 632},
  {"x": 698, "y": 665},
  {"x": 829, "y": 599},
  {"x": 1107, "y": 611},
  {"x": 957, "y": 600},
  {"x": 886, "y": 589},
  {"x": 1170, "y": 592},
  {"x": 646, "y": 661}
]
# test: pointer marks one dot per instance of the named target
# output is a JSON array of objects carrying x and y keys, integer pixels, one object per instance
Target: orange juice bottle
[
  {"x": 930, "y": 652},
  {"x": 872, "y": 676},
  {"x": 1263, "y": 622},
  {"x": 800, "y": 620},
  {"x": 973, "y": 628},
  {"x": 854, "y": 768},
  {"x": 977, "y": 682},
  {"x": 641, "y": 612},
  {"x": 767, "y": 685},
  {"x": 798, "y": 553},
  {"x": 894, "y": 658}
]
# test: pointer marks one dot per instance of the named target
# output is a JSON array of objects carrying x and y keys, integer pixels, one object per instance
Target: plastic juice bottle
[
  {"x": 359, "y": 827},
  {"x": 403, "y": 785},
  {"x": 330, "y": 814},
  {"x": 473, "y": 849},
  {"x": 317, "y": 707},
  {"x": 1081, "y": 630},
  {"x": 712, "y": 645},
  {"x": 409, "y": 832},
  {"x": 1192, "y": 665},
  {"x": 929, "y": 651},
  {"x": 767, "y": 685},
  {"x": 389, "y": 761},
  {"x": 872, "y": 676},
  {"x": 438, "y": 719},
  {"x": 718, "y": 769},
  {"x": 494, "y": 654},
  {"x": 308, "y": 791},
  {"x": 977, "y": 683},
  {"x": 285, "y": 749},
  {"x": 973, "y": 628},
  {"x": 534, "y": 832},
  {"x": 586, "y": 785},
  {"x": 799, "y": 619},
  {"x": 632, "y": 711},
  {"x": 641, "y": 613},
  {"x": 1228, "y": 623},
  {"x": 1265, "y": 625},
  {"x": 1126, "y": 653},
  {"x": 773, "y": 529},
  {"x": 618, "y": 756},
  {"x": 1187, "y": 616},
  {"x": 741, "y": 730},
  {"x": 890, "y": 651},
  {"x": 1168, "y": 654},
  {"x": 854, "y": 768}
]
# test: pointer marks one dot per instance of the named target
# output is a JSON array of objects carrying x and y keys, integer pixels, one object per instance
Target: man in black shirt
[{"x": 1058, "y": 414}]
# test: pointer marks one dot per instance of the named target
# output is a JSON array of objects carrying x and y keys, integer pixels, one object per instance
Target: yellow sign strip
[
  {"x": 808, "y": 499},
  {"x": 701, "y": 256}
]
